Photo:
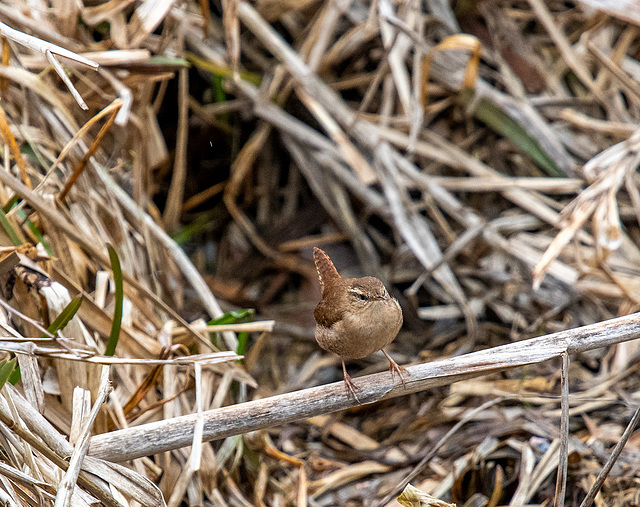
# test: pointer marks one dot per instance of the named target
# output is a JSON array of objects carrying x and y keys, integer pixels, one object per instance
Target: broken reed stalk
[
  {"x": 161, "y": 436},
  {"x": 89, "y": 153}
]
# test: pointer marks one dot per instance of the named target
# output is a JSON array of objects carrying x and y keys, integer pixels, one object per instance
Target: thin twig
[
  {"x": 50, "y": 50},
  {"x": 432, "y": 452},
  {"x": 612, "y": 460},
  {"x": 563, "y": 462},
  {"x": 89, "y": 153},
  {"x": 43, "y": 46}
]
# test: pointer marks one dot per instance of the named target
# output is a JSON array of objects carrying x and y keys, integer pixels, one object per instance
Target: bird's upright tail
[{"x": 325, "y": 268}]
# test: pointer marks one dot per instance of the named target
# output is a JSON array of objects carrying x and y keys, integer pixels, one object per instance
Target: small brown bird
[{"x": 356, "y": 316}]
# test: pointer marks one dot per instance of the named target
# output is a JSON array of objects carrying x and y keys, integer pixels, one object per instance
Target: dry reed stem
[
  {"x": 56, "y": 218},
  {"x": 10, "y": 139},
  {"x": 116, "y": 104},
  {"x": 612, "y": 460},
  {"x": 68, "y": 482},
  {"x": 51, "y": 449},
  {"x": 175, "y": 198},
  {"x": 429, "y": 456},
  {"x": 607, "y": 172},
  {"x": 184, "y": 264},
  {"x": 89, "y": 153},
  {"x": 49, "y": 50},
  {"x": 563, "y": 464},
  {"x": 165, "y": 435},
  {"x": 457, "y": 223}
]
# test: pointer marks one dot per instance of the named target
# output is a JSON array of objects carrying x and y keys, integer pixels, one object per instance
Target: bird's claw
[
  {"x": 348, "y": 382},
  {"x": 395, "y": 368},
  {"x": 351, "y": 387}
]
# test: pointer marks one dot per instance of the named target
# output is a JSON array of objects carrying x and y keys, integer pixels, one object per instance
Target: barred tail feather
[{"x": 325, "y": 268}]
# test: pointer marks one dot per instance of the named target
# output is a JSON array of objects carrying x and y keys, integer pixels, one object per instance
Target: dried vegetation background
[{"x": 489, "y": 179}]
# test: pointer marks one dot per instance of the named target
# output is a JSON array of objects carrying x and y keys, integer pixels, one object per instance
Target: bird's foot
[
  {"x": 395, "y": 368},
  {"x": 351, "y": 387},
  {"x": 348, "y": 382}
]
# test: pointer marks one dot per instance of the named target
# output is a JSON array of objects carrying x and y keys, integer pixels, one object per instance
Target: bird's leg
[
  {"x": 394, "y": 368},
  {"x": 348, "y": 382}
]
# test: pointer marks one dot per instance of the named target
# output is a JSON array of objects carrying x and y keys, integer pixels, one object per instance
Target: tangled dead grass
[{"x": 481, "y": 161}]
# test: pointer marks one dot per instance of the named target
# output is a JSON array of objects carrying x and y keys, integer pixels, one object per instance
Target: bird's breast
[{"x": 362, "y": 331}]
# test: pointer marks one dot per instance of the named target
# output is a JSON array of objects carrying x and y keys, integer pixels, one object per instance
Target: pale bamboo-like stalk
[
  {"x": 68, "y": 482},
  {"x": 50, "y": 51},
  {"x": 161, "y": 436}
]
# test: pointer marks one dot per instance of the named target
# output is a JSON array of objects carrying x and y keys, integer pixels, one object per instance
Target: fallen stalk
[{"x": 161, "y": 436}]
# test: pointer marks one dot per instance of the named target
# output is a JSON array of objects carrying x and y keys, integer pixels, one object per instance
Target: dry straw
[{"x": 482, "y": 162}]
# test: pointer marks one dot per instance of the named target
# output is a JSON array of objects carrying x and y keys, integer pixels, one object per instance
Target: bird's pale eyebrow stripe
[{"x": 357, "y": 291}]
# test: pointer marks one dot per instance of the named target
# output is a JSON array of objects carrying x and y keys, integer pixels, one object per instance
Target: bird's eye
[{"x": 359, "y": 296}]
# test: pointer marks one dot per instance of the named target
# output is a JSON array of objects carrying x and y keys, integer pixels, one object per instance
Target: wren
[{"x": 356, "y": 316}]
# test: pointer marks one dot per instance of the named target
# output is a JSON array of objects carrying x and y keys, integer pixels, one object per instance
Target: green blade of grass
[
  {"x": 15, "y": 376},
  {"x": 116, "y": 325},
  {"x": 498, "y": 121},
  {"x": 234, "y": 317},
  {"x": 203, "y": 222},
  {"x": 65, "y": 316},
  {"x": 24, "y": 218},
  {"x": 41, "y": 239},
  {"x": 167, "y": 60},
  {"x": 6, "y": 369},
  {"x": 13, "y": 236},
  {"x": 220, "y": 70},
  {"x": 242, "y": 344},
  {"x": 11, "y": 203}
]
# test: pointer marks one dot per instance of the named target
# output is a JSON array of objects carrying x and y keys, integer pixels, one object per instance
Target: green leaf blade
[
  {"x": 6, "y": 369},
  {"x": 65, "y": 316},
  {"x": 11, "y": 232},
  {"x": 116, "y": 325}
]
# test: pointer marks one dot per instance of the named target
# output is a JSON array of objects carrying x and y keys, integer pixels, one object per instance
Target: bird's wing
[{"x": 327, "y": 315}]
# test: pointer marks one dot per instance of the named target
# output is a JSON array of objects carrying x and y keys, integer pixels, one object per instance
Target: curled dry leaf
[{"x": 414, "y": 497}]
